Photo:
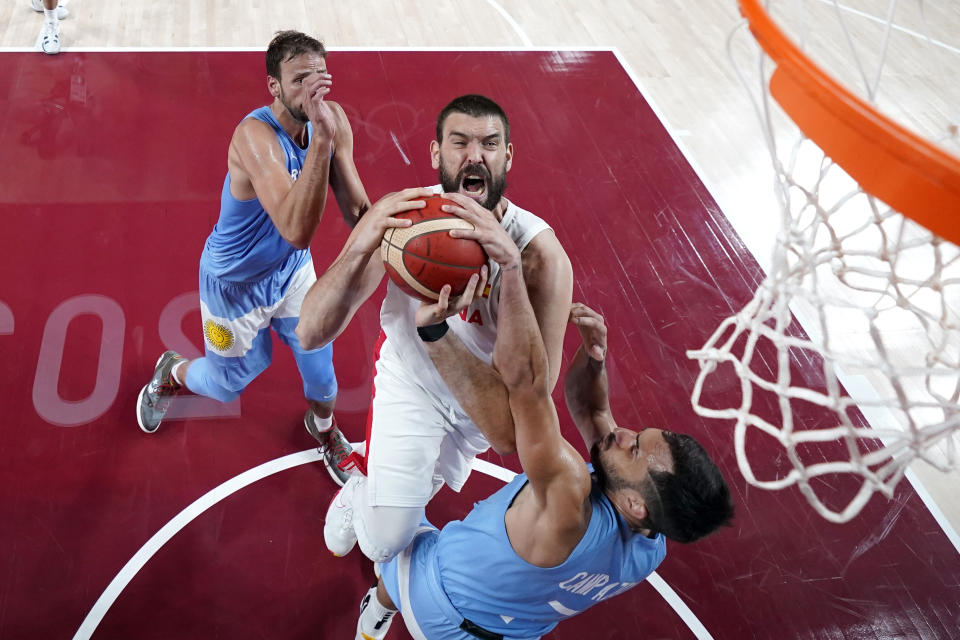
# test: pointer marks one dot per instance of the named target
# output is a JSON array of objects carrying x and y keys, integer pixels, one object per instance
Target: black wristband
[{"x": 433, "y": 332}]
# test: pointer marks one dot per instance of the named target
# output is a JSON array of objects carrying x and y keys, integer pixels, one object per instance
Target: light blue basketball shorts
[{"x": 237, "y": 318}]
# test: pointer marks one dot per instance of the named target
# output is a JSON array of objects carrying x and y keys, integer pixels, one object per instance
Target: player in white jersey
[
  {"x": 420, "y": 434},
  {"x": 561, "y": 537}
]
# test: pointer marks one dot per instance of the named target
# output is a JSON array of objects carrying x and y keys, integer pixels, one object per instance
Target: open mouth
[{"x": 473, "y": 185}]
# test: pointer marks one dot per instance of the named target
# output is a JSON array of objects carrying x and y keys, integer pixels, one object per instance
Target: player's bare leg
[{"x": 376, "y": 613}]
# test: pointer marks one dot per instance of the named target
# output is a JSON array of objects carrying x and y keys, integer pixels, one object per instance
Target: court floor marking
[
  {"x": 527, "y": 42},
  {"x": 492, "y": 49},
  {"x": 248, "y": 477},
  {"x": 675, "y": 134},
  {"x": 658, "y": 583},
  {"x": 739, "y": 223},
  {"x": 176, "y": 524},
  {"x": 881, "y": 21}
]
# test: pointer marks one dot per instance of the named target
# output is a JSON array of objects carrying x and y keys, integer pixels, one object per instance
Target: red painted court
[{"x": 111, "y": 169}]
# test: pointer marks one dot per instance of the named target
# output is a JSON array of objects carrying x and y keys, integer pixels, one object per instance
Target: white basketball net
[{"x": 878, "y": 299}]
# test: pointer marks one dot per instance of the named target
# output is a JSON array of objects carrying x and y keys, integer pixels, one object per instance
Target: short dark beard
[
  {"x": 298, "y": 114},
  {"x": 495, "y": 187},
  {"x": 609, "y": 482},
  {"x": 606, "y": 481}
]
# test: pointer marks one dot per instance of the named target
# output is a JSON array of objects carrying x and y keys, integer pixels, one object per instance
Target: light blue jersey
[
  {"x": 469, "y": 571},
  {"x": 245, "y": 246},
  {"x": 251, "y": 281}
]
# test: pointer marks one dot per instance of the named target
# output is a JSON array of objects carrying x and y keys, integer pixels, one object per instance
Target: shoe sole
[
  {"x": 139, "y": 405},
  {"x": 140, "y": 400}
]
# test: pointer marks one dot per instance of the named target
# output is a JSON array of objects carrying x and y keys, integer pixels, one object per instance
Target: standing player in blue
[
  {"x": 558, "y": 539},
  {"x": 256, "y": 265}
]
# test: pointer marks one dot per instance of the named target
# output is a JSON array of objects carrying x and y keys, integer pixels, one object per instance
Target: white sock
[
  {"x": 173, "y": 374},
  {"x": 323, "y": 424},
  {"x": 50, "y": 15},
  {"x": 375, "y": 618}
]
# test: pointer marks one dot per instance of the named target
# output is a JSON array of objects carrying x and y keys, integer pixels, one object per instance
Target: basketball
[{"x": 421, "y": 258}]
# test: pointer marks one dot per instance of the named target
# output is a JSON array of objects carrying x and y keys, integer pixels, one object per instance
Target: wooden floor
[{"x": 675, "y": 51}]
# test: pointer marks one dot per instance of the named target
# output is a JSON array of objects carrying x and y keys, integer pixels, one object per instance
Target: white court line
[
  {"x": 674, "y": 134},
  {"x": 147, "y": 551},
  {"x": 529, "y": 49},
  {"x": 517, "y": 29},
  {"x": 215, "y": 495},
  {"x": 665, "y": 590},
  {"x": 847, "y": 381},
  {"x": 182, "y": 519},
  {"x": 860, "y": 388},
  {"x": 513, "y": 23},
  {"x": 675, "y": 601}
]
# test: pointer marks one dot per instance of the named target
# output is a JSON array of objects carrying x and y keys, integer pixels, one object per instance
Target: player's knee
[
  {"x": 200, "y": 381},
  {"x": 381, "y": 554},
  {"x": 386, "y": 531},
  {"x": 320, "y": 389},
  {"x": 223, "y": 395},
  {"x": 319, "y": 380}
]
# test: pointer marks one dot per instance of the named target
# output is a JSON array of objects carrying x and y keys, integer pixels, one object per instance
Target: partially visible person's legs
[
  {"x": 320, "y": 391},
  {"x": 41, "y": 5},
  {"x": 376, "y": 613},
  {"x": 405, "y": 585},
  {"x": 50, "y": 33},
  {"x": 381, "y": 531},
  {"x": 383, "y": 509},
  {"x": 236, "y": 329},
  {"x": 317, "y": 373},
  {"x": 212, "y": 376}
]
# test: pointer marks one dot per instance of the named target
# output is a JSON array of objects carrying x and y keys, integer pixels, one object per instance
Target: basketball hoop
[{"x": 867, "y": 255}]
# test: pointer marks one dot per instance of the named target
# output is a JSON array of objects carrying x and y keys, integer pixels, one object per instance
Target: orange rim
[{"x": 912, "y": 175}]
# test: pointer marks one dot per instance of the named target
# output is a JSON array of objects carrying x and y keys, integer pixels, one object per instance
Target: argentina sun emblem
[{"x": 218, "y": 336}]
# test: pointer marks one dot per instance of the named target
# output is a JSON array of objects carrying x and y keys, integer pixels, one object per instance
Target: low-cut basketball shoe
[
  {"x": 335, "y": 448},
  {"x": 155, "y": 397},
  {"x": 62, "y": 11},
  {"x": 338, "y": 532},
  {"x": 50, "y": 38},
  {"x": 371, "y": 626}
]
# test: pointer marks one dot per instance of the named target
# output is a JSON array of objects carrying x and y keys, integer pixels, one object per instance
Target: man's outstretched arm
[
  {"x": 336, "y": 295},
  {"x": 475, "y": 384},
  {"x": 345, "y": 180},
  {"x": 585, "y": 387},
  {"x": 555, "y": 469},
  {"x": 547, "y": 278}
]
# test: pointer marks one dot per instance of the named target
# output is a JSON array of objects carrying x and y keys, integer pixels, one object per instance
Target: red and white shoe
[{"x": 338, "y": 455}]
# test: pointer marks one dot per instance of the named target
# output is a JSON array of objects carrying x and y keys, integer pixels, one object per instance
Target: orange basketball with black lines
[{"x": 421, "y": 258}]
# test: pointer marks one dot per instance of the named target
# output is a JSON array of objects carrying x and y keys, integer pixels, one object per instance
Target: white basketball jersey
[{"x": 476, "y": 327}]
